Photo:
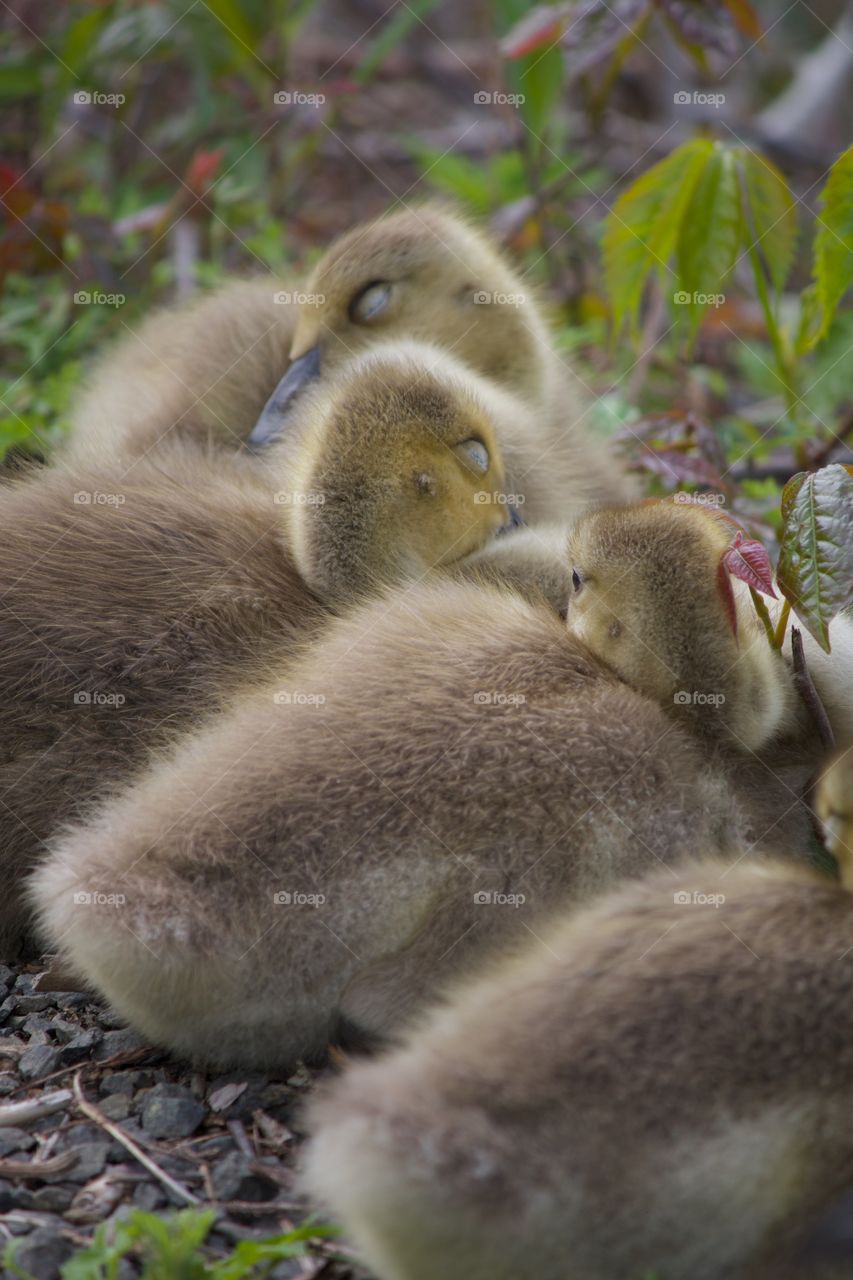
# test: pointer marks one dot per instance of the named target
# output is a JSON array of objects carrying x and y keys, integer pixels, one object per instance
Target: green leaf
[
  {"x": 391, "y": 34},
  {"x": 815, "y": 570},
  {"x": 771, "y": 214},
  {"x": 540, "y": 80},
  {"x": 710, "y": 233},
  {"x": 809, "y": 322},
  {"x": 833, "y": 246},
  {"x": 644, "y": 225}
]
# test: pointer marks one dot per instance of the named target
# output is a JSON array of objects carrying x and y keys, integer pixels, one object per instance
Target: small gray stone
[
  {"x": 8, "y": 1082},
  {"x": 42, "y": 1253},
  {"x": 25, "y": 982},
  {"x": 115, "y": 1042},
  {"x": 171, "y": 1111},
  {"x": 37, "y": 1024},
  {"x": 115, "y": 1106},
  {"x": 39, "y": 1061},
  {"x": 7, "y": 1006},
  {"x": 7, "y": 977},
  {"x": 34, "y": 1003},
  {"x": 125, "y": 1081},
  {"x": 233, "y": 1178},
  {"x": 15, "y": 1140},
  {"x": 51, "y": 1199},
  {"x": 81, "y": 1046},
  {"x": 91, "y": 1158},
  {"x": 147, "y": 1196}
]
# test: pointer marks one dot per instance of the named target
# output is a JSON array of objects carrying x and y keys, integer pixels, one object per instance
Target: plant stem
[
  {"x": 782, "y": 625},
  {"x": 785, "y": 363},
  {"x": 761, "y": 610}
]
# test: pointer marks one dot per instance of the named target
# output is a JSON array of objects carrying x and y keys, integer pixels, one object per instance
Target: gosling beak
[
  {"x": 514, "y": 521},
  {"x": 270, "y": 425}
]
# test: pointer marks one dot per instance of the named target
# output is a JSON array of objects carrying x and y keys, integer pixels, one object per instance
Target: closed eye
[{"x": 369, "y": 302}]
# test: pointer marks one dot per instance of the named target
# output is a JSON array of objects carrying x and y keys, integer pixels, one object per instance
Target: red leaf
[
  {"x": 203, "y": 168},
  {"x": 542, "y": 26},
  {"x": 748, "y": 560}
]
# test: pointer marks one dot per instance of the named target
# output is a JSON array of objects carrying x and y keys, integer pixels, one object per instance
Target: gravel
[{"x": 231, "y": 1140}]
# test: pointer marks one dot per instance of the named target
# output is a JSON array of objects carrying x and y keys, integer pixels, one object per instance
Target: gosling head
[
  {"x": 394, "y": 469},
  {"x": 652, "y": 598},
  {"x": 419, "y": 273}
]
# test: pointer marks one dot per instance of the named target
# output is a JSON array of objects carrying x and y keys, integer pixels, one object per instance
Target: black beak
[
  {"x": 270, "y": 425},
  {"x": 514, "y": 521}
]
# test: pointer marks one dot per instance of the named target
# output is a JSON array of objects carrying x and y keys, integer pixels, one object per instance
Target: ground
[{"x": 232, "y": 1141}]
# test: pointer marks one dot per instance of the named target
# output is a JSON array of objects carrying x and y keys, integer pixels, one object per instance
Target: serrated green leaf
[
  {"x": 710, "y": 233},
  {"x": 643, "y": 227},
  {"x": 833, "y": 246},
  {"x": 815, "y": 570},
  {"x": 771, "y": 214}
]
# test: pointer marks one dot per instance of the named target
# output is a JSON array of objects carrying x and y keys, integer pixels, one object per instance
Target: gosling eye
[
  {"x": 475, "y": 454},
  {"x": 370, "y": 302},
  {"x": 577, "y": 581}
]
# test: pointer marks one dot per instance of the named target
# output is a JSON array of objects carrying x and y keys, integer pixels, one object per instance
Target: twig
[
  {"x": 26, "y": 1169},
  {"x": 809, "y": 694},
  {"x": 90, "y": 1110},
  {"x": 15, "y": 1113}
]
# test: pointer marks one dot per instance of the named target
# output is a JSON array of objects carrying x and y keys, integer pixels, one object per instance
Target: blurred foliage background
[{"x": 151, "y": 147}]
